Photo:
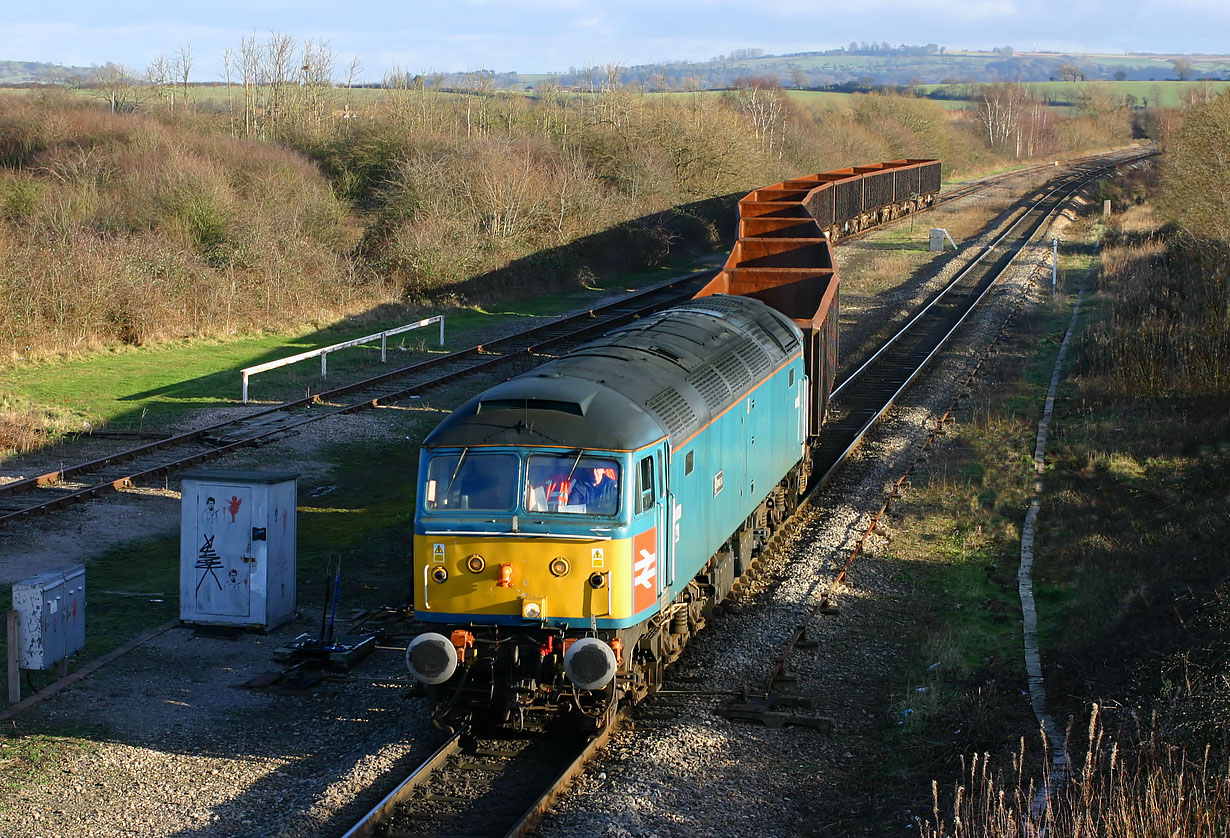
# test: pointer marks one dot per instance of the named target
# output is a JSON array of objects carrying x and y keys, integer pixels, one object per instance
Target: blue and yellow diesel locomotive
[
  {"x": 567, "y": 514},
  {"x": 576, "y": 524}
]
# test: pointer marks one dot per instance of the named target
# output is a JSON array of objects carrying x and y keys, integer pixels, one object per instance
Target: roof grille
[
  {"x": 736, "y": 373},
  {"x": 755, "y": 358},
  {"x": 712, "y": 388},
  {"x": 719, "y": 303},
  {"x": 672, "y": 410}
]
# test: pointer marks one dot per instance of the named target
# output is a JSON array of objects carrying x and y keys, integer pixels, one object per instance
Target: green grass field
[{"x": 141, "y": 388}]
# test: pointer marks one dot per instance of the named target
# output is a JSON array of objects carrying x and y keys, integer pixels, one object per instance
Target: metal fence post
[
  {"x": 324, "y": 365},
  {"x": 13, "y": 628},
  {"x": 442, "y": 330}
]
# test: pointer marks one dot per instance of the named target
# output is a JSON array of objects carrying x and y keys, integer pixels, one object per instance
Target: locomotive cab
[
  {"x": 522, "y": 555},
  {"x": 503, "y": 535}
]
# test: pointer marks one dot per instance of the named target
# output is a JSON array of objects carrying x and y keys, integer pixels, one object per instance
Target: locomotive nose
[
  {"x": 590, "y": 663},
  {"x": 431, "y": 658}
]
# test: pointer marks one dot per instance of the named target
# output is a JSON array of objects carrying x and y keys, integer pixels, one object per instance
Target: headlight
[{"x": 439, "y": 574}]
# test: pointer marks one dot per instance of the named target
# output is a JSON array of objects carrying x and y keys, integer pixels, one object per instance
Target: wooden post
[{"x": 14, "y": 670}]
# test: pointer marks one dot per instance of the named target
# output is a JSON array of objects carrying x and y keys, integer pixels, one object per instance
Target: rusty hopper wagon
[{"x": 783, "y": 254}]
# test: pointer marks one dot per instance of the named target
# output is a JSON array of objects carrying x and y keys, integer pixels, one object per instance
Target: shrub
[{"x": 129, "y": 229}]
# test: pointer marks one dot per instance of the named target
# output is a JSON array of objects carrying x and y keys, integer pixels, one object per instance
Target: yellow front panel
[{"x": 568, "y": 597}]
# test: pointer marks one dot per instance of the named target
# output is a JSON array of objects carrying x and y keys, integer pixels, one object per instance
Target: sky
[{"x": 543, "y": 36}]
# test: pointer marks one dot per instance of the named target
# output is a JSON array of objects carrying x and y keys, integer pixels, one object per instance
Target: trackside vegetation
[{"x": 1131, "y": 580}]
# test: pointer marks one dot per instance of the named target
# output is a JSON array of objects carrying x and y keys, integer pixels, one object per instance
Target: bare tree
[
  {"x": 183, "y": 68},
  {"x": 481, "y": 87},
  {"x": 1071, "y": 72},
  {"x": 250, "y": 60},
  {"x": 159, "y": 75},
  {"x": 315, "y": 81},
  {"x": 1183, "y": 68},
  {"x": 1000, "y": 109},
  {"x": 763, "y": 101},
  {"x": 115, "y": 83},
  {"x": 228, "y": 67},
  {"x": 352, "y": 76},
  {"x": 275, "y": 72}
]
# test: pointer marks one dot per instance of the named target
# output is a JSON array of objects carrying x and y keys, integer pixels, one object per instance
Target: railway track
[
  {"x": 480, "y": 787},
  {"x": 446, "y": 796},
  {"x": 868, "y": 392}
]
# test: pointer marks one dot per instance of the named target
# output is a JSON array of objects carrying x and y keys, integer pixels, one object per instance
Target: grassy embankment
[{"x": 1131, "y": 581}]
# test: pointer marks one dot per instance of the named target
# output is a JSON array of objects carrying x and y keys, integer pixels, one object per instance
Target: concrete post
[{"x": 1054, "y": 264}]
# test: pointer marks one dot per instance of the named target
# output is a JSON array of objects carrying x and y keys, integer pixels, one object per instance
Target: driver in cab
[{"x": 590, "y": 491}]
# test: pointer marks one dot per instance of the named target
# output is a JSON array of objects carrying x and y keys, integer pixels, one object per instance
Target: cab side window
[{"x": 644, "y": 485}]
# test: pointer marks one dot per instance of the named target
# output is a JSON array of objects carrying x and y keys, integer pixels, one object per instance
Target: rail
[{"x": 324, "y": 351}]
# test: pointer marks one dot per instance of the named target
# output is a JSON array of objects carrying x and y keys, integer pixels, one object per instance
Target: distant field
[
  {"x": 818, "y": 99},
  {"x": 1168, "y": 94},
  {"x": 1062, "y": 95}
]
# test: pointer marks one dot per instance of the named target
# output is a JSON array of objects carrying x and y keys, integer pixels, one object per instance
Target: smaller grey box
[{"x": 51, "y": 616}]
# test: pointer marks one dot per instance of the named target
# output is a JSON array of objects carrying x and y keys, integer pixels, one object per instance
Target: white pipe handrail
[{"x": 324, "y": 351}]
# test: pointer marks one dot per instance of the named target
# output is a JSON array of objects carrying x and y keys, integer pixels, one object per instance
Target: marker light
[
  {"x": 559, "y": 566},
  {"x": 475, "y": 563},
  {"x": 532, "y": 608},
  {"x": 439, "y": 574}
]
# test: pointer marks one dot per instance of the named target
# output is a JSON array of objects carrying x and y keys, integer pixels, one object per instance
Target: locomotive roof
[{"x": 667, "y": 374}]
